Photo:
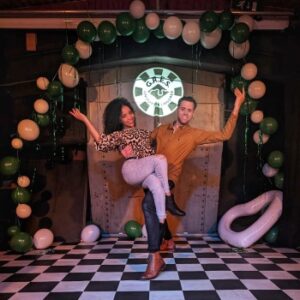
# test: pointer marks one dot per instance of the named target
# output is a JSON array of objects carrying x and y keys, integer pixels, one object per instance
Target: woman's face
[{"x": 127, "y": 117}]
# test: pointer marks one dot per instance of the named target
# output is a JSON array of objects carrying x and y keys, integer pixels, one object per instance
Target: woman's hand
[
  {"x": 239, "y": 95},
  {"x": 75, "y": 112}
]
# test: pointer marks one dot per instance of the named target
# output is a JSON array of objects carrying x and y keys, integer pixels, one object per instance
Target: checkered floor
[{"x": 199, "y": 269}]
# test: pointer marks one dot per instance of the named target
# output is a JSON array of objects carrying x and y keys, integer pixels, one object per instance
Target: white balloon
[
  {"x": 68, "y": 75},
  {"x": 90, "y": 233},
  {"x": 137, "y": 9},
  {"x": 16, "y": 143},
  {"x": 23, "y": 211},
  {"x": 247, "y": 20},
  {"x": 84, "y": 49},
  {"x": 43, "y": 238},
  {"x": 210, "y": 40},
  {"x": 249, "y": 71},
  {"x": 257, "y": 116},
  {"x": 144, "y": 231},
  {"x": 269, "y": 171},
  {"x": 191, "y": 33},
  {"x": 246, "y": 238},
  {"x": 260, "y": 138},
  {"x": 28, "y": 130},
  {"x": 152, "y": 20},
  {"x": 256, "y": 89},
  {"x": 42, "y": 83},
  {"x": 23, "y": 181},
  {"x": 238, "y": 51},
  {"x": 172, "y": 27},
  {"x": 41, "y": 106}
]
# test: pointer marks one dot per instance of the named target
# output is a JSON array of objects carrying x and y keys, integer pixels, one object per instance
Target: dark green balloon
[
  {"x": 275, "y": 159},
  {"x": 141, "y": 32},
  {"x": 240, "y": 33},
  {"x": 12, "y": 230},
  {"x": 133, "y": 229},
  {"x": 70, "y": 55},
  {"x": 86, "y": 31},
  {"x": 248, "y": 106},
  {"x": 21, "y": 242},
  {"x": 239, "y": 82},
  {"x": 9, "y": 165},
  {"x": 43, "y": 120},
  {"x": 271, "y": 236},
  {"x": 159, "y": 31},
  {"x": 125, "y": 24},
  {"x": 55, "y": 88},
  {"x": 107, "y": 32},
  {"x": 20, "y": 195},
  {"x": 279, "y": 180},
  {"x": 209, "y": 21},
  {"x": 268, "y": 125},
  {"x": 226, "y": 20}
]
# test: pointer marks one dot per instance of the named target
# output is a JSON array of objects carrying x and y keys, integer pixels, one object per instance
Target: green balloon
[
  {"x": 209, "y": 21},
  {"x": 125, "y": 24},
  {"x": 70, "y": 55},
  {"x": 275, "y": 159},
  {"x": 133, "y": 229},
  {"x": 21, "y": 242},
  {"x": 55, "y": 88},
  {"x": 268, "y": 125},
  {"x": 107, "y": 32},
  {"x": 239, "y": 82},
  {"x": 43, "y": 120},
  {"x": 248, "y": 106},
  {"x": 239, "y": 33},
  {"x": 279, "y": 180},
  {"x": 141, "y": 32},
  {"x": 12, "y": 230},
  {"x": 20, "y": 195},
  {"x": 9, "y": 165},
  {"x": 226, "y": 20},
  {"x": 86, "y": 31},
  {"x": 159, "y": 31},
  {"x": 271, "y": 236}
]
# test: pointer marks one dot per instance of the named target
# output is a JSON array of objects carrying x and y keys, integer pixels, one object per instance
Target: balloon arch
[{"x": 134, "y": 23}]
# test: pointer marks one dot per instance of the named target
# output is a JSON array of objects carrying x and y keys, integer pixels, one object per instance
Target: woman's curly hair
[{"x": 112, "y": 115}]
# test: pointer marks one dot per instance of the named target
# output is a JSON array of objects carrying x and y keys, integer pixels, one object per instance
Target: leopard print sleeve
[{"x": 109, "y": 142}]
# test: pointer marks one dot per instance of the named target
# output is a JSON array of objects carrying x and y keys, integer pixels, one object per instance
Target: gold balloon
[
  {"x": 68, "y": 75},
  {"x": 41, "y": 106},
  {"x": 23, "y": 211},
  {"x": 257, "y": 116},
  {"x": 42, "y": 83},
  {"x": 28, "y": 130},
  {"x": 17, "y": 143},
  {"x": 84, "y": 49},
  {"x": 23, "y": 181}
]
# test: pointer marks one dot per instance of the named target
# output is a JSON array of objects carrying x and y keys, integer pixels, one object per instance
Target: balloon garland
[{"x": 207, "y": 32}]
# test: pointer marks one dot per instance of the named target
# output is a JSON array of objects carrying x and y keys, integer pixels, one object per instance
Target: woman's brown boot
[{"x": 155, "y": 265}]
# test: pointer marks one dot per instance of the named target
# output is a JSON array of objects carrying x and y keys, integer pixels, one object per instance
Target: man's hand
[{"x": 127, "y": 151}]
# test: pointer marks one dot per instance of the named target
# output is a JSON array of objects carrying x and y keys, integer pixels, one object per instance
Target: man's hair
[
  {"x": 112, "y": 115},
  {"x": 189, "y": 99}
]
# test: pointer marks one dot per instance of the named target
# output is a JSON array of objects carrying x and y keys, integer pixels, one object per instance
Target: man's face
[{"x": 185, "y": 112}]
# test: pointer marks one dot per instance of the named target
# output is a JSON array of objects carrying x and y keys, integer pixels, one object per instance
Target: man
[{"x": 176, "y": 141}]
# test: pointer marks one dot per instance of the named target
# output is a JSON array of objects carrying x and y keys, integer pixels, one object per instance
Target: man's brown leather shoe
[
  {"x": 167, "y": 245},
  {"x": 155, "y": 265}
]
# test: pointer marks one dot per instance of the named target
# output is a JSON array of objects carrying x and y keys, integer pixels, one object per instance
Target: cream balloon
[
  {"x": 42, "y": 83},
  {"x": 90, "y": 233},
  {"x": 210, "y": 40},
  {"x": 23, "y": 211},
  {"x": 28, "y": 130},
  {"x": 249, "y": 71},
  {"x": 84, "y": 49},
  {"x": 247, "y": 20},
  {"x": 68, "y": 75},
  {"x": 17, "y": 143},
  {"x": 152, "y": 20},
  {"x": 23, "y": 181},
  {"x": 238, "y": 51},
  {"x": 260, "y": 138},
  {"x": 41, "y": 106},
  {"x": 43, "y": 238},
  {"x": 256, "y": 89},
  {"x": 172, "y": 27},
  {"x": 257, "y": 116},
  {"x": 137, "y": 9},
  {"x": 269, "y": 171},
  {"x": 191, "y": 33}
]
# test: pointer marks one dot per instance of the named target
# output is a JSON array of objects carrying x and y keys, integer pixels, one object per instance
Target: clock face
[{"x": 156, "y": 91}]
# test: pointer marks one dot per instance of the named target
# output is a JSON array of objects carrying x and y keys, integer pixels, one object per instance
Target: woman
[{"x": 143, "y": 167}]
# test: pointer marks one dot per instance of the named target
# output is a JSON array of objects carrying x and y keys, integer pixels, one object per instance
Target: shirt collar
[{"x": 170, "y": 126}]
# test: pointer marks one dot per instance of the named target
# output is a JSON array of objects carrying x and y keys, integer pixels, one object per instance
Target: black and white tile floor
[{"x": 199, "y": 269}]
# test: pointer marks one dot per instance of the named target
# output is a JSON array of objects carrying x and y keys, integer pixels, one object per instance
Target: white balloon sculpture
[{"x": 247, "y": 237}]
